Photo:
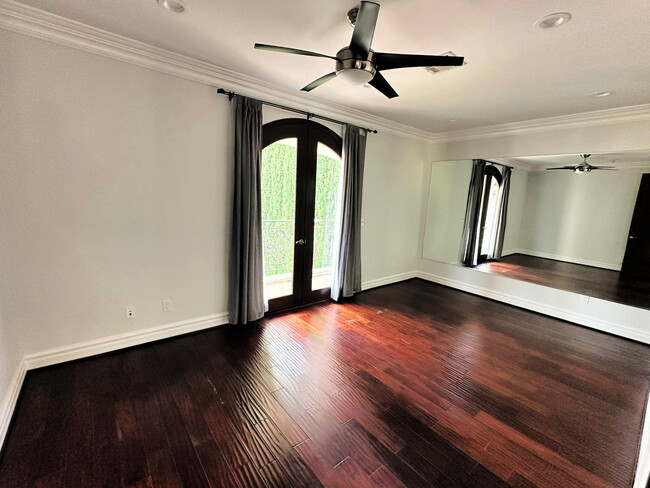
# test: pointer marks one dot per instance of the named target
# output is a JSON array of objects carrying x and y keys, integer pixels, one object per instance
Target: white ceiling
[
  {"x": 515, "y": 71},
  {"x": 620, "y": 160}
]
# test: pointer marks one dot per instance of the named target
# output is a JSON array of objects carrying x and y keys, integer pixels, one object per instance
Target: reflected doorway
[
  {"x": 301, "y": 178},
  {"x": 488, "y": 219}
]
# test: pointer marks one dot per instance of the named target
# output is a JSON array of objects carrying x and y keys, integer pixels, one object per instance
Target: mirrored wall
[{"x": 570, "y": 222}]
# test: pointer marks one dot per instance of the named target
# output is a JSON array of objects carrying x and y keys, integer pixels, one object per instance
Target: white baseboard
[
  {"x": 9, "y": 403},
  {"x": 561, "y": 313},
  {"x": 92, "y": 348},
  {"x": 566, "y": 259},
  {"x": 121, "y": 341},
  {"x": 367, "y": 285},
  {"x": 508, "y": 252}
]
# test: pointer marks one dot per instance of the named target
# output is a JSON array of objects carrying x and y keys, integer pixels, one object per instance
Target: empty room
[{"x": 324, "y": 243}]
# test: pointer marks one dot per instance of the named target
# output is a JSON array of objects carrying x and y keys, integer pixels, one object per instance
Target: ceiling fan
[
  {"x": 584, "y": 167},
  {"x": 357, "y": 64}
]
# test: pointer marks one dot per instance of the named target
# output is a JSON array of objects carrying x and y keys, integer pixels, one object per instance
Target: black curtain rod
[
  {"x": 309, "y": 115},
  {"x": 498, "y": 164}
]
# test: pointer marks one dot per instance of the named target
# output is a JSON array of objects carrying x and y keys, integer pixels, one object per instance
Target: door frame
[{"x": 308, "y": 134}]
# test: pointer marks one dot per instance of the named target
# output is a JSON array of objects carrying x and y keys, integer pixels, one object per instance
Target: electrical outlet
[
  {"x": 167, "y": 304},
  {"x": 129, "y": 311}
]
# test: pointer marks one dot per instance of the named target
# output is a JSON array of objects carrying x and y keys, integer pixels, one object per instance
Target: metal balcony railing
[{"x": 278, "y": 240}]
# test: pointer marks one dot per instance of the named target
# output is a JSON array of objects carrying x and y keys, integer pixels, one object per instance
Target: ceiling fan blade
[
  {"x": 611, "y": 168},
  {"x": 319, "y": 82},
  {"x": 562, "y": 167},
  {"x": 380, "y": 83},
  {"x": 364, "y": 28},
  {"x": 290, "y": 50},
  {"x": 386, "y": 61}
]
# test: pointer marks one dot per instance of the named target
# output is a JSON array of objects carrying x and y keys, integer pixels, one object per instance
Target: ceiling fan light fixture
[
  {"x": 352, "y": 70},
  {"x": 354, "y": 76},
  {"x": 554, "y": 20},
  {"x": 174, "y": 6}
]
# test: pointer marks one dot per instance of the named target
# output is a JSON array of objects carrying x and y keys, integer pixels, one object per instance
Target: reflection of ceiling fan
[
  {"x": 584, "y": 167},
  {"x": 358, "y": 64}
]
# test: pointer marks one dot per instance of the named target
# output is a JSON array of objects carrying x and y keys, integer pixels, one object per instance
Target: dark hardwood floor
[
  {"x": 586, "y": 280},
  {"x": 412, "y": 384}
]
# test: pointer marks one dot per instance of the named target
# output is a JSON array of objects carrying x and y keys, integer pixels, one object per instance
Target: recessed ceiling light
[
  {"x": 554, "y": 20},
  {"x": 601, "y": 94},
  {"x": 175, "y": 6},
  {"x": 453, "y": 120}
]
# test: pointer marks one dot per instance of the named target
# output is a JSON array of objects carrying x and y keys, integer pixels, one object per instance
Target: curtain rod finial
[{"x": 230, "y": 94}]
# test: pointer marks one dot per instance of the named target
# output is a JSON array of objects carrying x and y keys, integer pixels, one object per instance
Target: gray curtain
[
  {"x": 347, "y": 245},
  {"x": 506, "y": 173},
  {"x": 469, "y": 243},
  {"x": 246, "y": 273}
]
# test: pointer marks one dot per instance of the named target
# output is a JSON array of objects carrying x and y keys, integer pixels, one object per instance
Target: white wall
[
  {"x": 393, "y": 206},
  {"x": 581, "y": 218},
  {"x": 115, "y": 190},
  {"x": 445, "y": 215},
  {"x": 516, "y": 201}
]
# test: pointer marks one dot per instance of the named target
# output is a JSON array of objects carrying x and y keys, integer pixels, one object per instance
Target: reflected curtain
[
  {"x": 246, "y": 273},
  {"x": 506, "y": 174},
  {"x": 470, "y": 241},
  {"x": 347, "y": 245}
]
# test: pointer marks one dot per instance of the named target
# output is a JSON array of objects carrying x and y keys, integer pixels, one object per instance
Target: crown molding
[
  {"x": 618, "y": 115},
  {"x": 33, "y": 22},
  {"x": 514, "y": 163}
]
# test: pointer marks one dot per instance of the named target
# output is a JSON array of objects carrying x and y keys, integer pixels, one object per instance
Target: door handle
[
  {"x": 301, "y": 241},
  {"x": 632, "y": 237}
]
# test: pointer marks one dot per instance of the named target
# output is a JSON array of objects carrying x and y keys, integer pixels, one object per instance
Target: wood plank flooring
[
  {"x": 409, "y": 385},
  {"x": 586, "y": 280}
]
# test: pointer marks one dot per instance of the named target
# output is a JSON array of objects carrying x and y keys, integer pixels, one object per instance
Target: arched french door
[
  {"x": 301, "y": 177},
  {"x": 489, "y": 213}
]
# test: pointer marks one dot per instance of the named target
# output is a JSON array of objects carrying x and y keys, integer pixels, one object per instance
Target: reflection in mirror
[
  {"x": 584, "y": 230},
  {"x": 446, "y": 210}
]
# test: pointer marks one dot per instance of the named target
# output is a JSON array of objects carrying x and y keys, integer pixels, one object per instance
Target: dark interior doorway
[{"x": 636, "y": 263}]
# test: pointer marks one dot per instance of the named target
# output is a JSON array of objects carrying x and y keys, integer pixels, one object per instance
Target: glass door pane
[
  {"x": 489, "y": 233},
  {"x": 328, "y": 181},
  {"x": 279, "y": 165}
]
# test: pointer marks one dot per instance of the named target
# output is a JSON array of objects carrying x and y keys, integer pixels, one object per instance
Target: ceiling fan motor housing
[{"x": 353, "y": 69}]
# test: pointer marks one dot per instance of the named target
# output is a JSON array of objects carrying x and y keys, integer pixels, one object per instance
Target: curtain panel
[
  {"x": 246, "y": 273},
  {"x": 347, "y": 245},
  {"x": 502, "y": 215},
  {"x": 470, "y": 242}
]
